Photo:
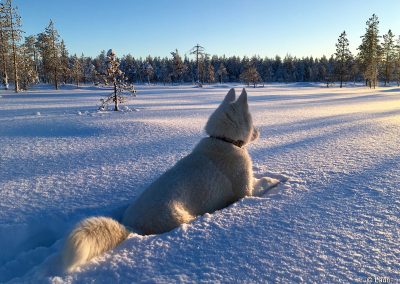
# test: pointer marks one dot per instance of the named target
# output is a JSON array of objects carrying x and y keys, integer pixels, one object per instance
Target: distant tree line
[{"x": 45, "y": 58}]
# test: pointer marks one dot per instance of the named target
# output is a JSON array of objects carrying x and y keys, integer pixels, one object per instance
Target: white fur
[
  {"x": 214, "y": 175},
  {"x": 232, "y": 119},
  {"x": 90, "y": 238}
]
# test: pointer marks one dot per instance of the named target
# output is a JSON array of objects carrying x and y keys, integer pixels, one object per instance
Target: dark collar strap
[{"x": 237, "y": 143}]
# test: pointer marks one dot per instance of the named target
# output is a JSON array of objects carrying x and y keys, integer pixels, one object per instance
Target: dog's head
[{"x": 232, "y": 119}]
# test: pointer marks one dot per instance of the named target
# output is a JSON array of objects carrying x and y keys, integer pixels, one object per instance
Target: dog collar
[{"x": 237, "y": 143}]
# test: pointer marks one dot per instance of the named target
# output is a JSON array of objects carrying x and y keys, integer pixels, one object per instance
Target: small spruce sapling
[{"x": 116, "y": 78}]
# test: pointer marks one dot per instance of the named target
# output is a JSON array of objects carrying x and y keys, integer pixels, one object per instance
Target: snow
[{"x": 336, "y": 219}]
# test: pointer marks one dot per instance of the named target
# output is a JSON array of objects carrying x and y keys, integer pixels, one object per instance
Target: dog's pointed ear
[
  {"x": 230, "y": 97},
  {"x": 242, "y": 100}
]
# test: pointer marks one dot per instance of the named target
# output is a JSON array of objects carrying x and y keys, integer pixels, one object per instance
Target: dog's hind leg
[
  {"x": 180, "y": 213},
  {"x": 174, "y": 215}
]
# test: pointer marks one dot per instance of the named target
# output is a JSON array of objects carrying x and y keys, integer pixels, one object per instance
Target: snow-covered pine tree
[
  {"x": 397, "y": 62},
  {"x": 178, "y": 66},
  {"x": 222, "y": 73},
  {"x": 370, "y": 52},
  {"x": 76, "y": 70},
  {"x": 354, "y": 69},
  {"x": 188, "y": 74},
  {"x": 32, "y": 52},
  {"x": 198, "y": 51},
  {"x": 277, "y": 70},
  {"x": 157, "y": 70},
  {"x": 288, "y": 68},
  {"x": 13, "y": 28},
  {"x": 166, "y": 71},
  {"x": 342, "y": 57},
  {"x": 64, "y": 63},
  {"x": 116, "y": 77},
  {"x": 201, "y": 69},
  {"x": 388, "y": 56},
  {"x": 250, "y": 75},
  {"x": 100, "y": 65},
  {"x": 128, "y": 66},
  {"x": 210, "y": 73},
  {"x": 330, "y": 71},
  {"x": 322, "y": 68},
  {"x": 208, "y": 70},
  {"x": 27, "y": 66},
  {"x": 49, "y": 46},
  {"x": 148, "y": 70},
  {"x": 267, "y": 70},
  {"x": 88, "y": 69}
]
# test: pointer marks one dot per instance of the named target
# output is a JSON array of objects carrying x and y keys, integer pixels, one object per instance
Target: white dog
[{"x": 217, "y": 173}]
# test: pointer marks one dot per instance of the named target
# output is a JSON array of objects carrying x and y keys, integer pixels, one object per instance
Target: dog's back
[{"x": 213, "y": 176}]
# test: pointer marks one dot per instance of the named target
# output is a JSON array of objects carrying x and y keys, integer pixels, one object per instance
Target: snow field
[{"x": 335, "y": 219}]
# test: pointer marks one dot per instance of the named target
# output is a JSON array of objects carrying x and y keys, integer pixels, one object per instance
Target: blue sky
[{"x": 230, "y": 27}]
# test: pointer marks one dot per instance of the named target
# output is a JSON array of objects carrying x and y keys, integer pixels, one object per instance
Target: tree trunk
[
  {"x": 4, "y": 58},
  {"x": 115, "y": 97},
  {"x": 5, "y": 81},
  {"x": 36, "y": 65},
  {"x": 14, "y": 50},
  {"x": 197, "y": 63},
  {"x": 55, "y": 78}
]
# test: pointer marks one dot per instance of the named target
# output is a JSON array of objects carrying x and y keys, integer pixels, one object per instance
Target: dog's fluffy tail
[{"x": 90, "y": 238}]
